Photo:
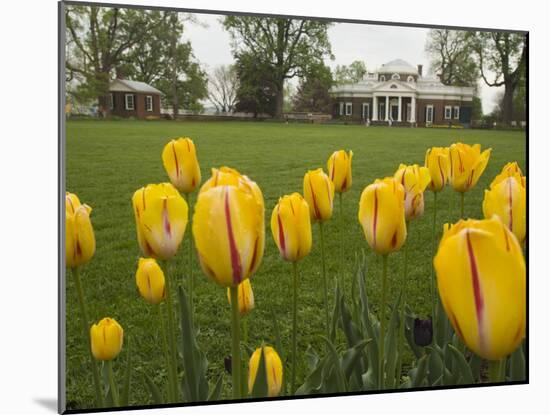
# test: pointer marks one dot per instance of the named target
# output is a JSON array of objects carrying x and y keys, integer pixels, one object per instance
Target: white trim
[
  {"x": 148, "y": 100},
  {"x": 395, "y": 77},
  {"x": 126, "y": 103},
  {"x": 350, "y": 106},
  {"x": 382, "y": 78},
  {"x": 111, "y": 101},
  {"x": 408, "y": 112},
  {"x": 450, "y": 114},
  {"x": 410, "y": 78},
  {"x": 456, "y": 112},
  {"x": 431, "y": 118}
]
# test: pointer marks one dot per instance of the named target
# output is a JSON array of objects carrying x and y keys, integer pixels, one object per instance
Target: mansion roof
[{"x": 397, "y": 77}]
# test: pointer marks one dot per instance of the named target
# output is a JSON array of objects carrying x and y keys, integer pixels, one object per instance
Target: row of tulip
[{"x": 479, "y": 264}]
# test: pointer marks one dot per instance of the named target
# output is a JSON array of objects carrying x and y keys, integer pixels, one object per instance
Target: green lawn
[{"x": 108, "y": 160}]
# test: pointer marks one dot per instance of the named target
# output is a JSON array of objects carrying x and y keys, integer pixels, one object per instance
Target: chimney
[{"x": 420, "y": 70}]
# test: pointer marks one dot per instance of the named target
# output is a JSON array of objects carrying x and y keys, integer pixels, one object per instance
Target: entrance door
[{"x": 394, "y": 112}]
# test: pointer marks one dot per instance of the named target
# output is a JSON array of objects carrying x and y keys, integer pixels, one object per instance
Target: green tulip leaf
[
  {"x": 517, "y": 365},
  {"x": 155, "y": 392},
  {"x": 391, "y": 344},
  {"x": 216, "y": 392},
  {"x": 371, "y": 333},
  {"x": 124, "y": 396},
  {"x": 462, "y": 365},
  {"x": 260, "y": 387},
  {"x": 339, "y": 377}
]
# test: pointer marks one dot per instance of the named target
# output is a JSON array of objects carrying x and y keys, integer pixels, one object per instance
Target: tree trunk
[
  {"x": 508, "y": 103},
  {"x": 279, "y": 100}
]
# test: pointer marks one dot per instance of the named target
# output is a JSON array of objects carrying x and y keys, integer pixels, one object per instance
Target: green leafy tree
[
  {"x": 503, "y": 54},
  {"x": 288, "y": 47},
  {"x": 99, "y": 39},
  {"x": 312, "y": 94},
  {"x": 451, "y": 57},
  {"x": 350, "y": 74},
  {"x": 257, "y": 90}
]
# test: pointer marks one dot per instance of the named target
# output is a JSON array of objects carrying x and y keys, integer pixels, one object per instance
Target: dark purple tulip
[{"x": 423, "y": 332}]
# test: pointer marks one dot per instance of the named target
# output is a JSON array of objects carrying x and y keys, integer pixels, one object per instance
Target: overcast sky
[{"x": 374, "y": 44}]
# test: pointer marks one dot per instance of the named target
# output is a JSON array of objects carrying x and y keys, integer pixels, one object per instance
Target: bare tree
[{"x": 222, "y": 88}]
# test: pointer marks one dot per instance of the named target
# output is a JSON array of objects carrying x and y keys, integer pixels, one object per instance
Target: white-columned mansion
[{"x": 398, "y": 94}]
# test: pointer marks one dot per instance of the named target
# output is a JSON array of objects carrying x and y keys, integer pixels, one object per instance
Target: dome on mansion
[
  {"x": 398, "y": 66},
  {"x": 398, "y": 94}
]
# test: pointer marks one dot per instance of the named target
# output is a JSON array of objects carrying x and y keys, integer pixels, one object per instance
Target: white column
[
  {"x": 387, "y": 108},
  {"x": 399, "y": 109},
  {"x": 413, "y": 109},
  {"x": 374, "y": 108}
]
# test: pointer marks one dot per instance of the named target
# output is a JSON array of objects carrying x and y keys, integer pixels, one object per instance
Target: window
[
  {"x": 456, "y": 114},
  {"x": 410, "y": 79},
  {"x": 341, "y": 108},
  {"x": 129, "y": 101},
  {"x": 429, "y": 113},
  {"x": 349, "y": 108},
  {"x": 381, "y": 111},
  {"x": 382, "y": 78},
  {"x": 111, "y": 101},
  {"x": 393, "y": 86},
  {"x": 148, "y": 103},
  {"x": 447, "y": 112},
  {"x": 395, "y": 77}
]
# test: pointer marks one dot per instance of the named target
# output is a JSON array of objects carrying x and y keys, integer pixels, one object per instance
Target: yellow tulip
[
  {"x": 512, "y": 168},
  {"x": 339, "y": 168},
  {"x": 509, "y": 170},
  {"x": 467, "y": 165},
  {"x": 507, "y": 198},
  {"x": 382, "y": 215},
  {"x": 481, "y": 279},
  {"x": 150, "y": 280},
  {"x": 319, "y": 195},
  {"x": 414, "y": 179},
  {"x": 229, "y": 232},
  {"x": 291, "y": 227},
  {"x": 79, "y": 233},
  {"x": 161, "y": 219},
  {"x": 438, "y": 163},
  {"x": 273, "y": 368},
  {"x": 180, "y": 162},
  {"x": 246, "y": 297},
  {"x": 106, "y": 339}
]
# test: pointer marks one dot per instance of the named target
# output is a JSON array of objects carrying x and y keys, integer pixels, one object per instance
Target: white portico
[{"x": 398, "y": 94}]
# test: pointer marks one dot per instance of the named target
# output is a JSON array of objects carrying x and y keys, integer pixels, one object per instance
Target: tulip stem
[
  {"x": 432, "y": 275},
  {"x": 381, "y": 339},
  {"x": 497, "y": 370},
  {"x": 112, "y": 384},
  {"x": 235, "y": 349},
  {"x": 190, "y": 265},
  {"x": 341, "y": 236},
  {"x": 461, "y": 205},
  {"x": 327, "y": 321},
  {"x": 171, "y": 332},
  {"x": 86, "y": 328},
  {"x": 294, "y": 327},
  {"x": 169, "y": 368},
  {"x": 402, "y": 311}
]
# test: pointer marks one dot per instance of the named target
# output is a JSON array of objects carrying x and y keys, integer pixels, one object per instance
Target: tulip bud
[
  {"x": 481, "y": 280},
  {"x": 161, "y": 219},
  {"x": 229, "y": 232},
  {"x": 414, "y": 179},
  {"x": 246, "y": 297},
  {"x": 382, "y": 215},
  {"x": 438, "y": 163},
  {"x": 507, "y": 198},
  {"x": 467, "y": 165},
  {"x": 319, "y": 195},
  {"x": 180, "y": 162},
  {"x": 79, "y": 233},
  {"x": 273, "y": 368},
  {"x": 291, "y": 227},
  {"x": 150, "y": 280},
  {"x": 339, "y": 168},
  {"x": 511, "y": 168},
  {"x": 106, "y": 339},
  {"x": 422, "y": 332}
]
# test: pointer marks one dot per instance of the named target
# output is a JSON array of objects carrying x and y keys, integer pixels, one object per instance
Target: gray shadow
[{"x": 48, "y": 403}]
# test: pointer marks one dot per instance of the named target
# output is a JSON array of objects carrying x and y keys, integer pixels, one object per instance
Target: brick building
[
  {"x": 398, "y": 94},
  {"x": 133, "y": 99}
]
